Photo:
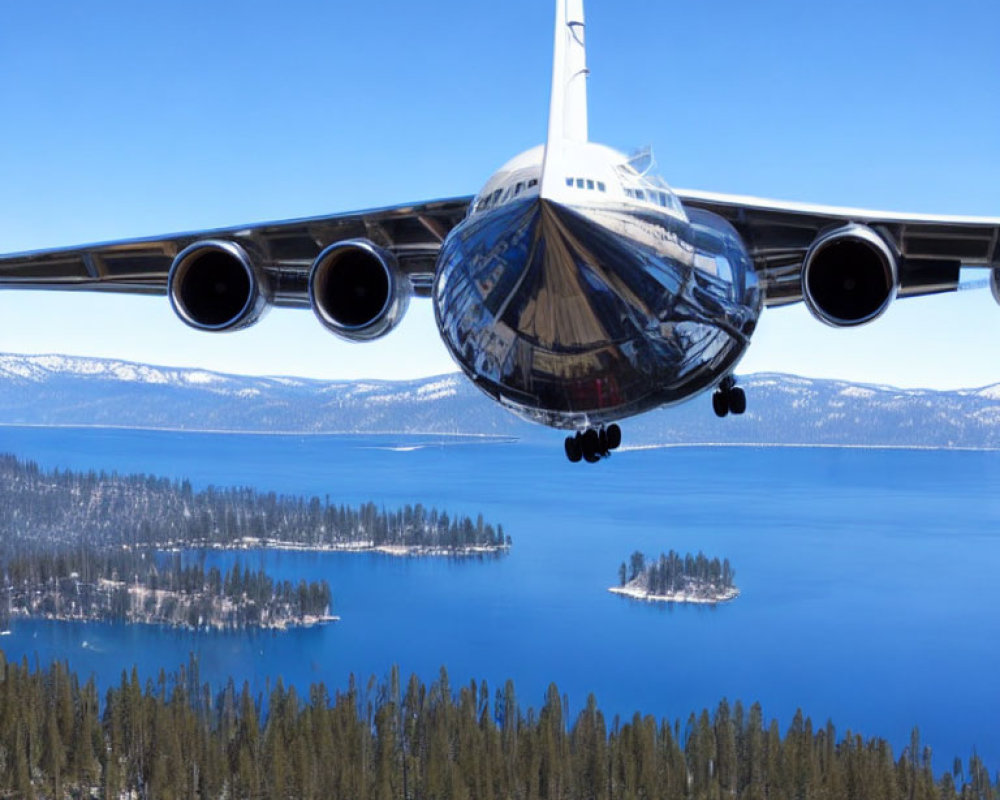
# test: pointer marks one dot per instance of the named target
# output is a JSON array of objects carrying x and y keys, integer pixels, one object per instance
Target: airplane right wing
[{"x": 928, "y": 250}]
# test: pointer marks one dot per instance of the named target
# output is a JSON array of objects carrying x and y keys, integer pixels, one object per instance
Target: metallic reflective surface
[
  {"x": 214, "y": 285},
  {"x": 577, "y": 316},
  {"x": 779, "y": 234},
  {"x": 357, "y": 291},
  {"x": 849, "y": 276}
]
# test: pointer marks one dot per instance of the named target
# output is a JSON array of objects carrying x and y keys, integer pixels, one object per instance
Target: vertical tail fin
[{"x": 568, "y": 104}]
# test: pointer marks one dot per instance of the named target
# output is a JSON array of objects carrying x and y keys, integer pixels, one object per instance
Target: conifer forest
[
  {"x": 85, "y": 546},
  {"x": 175, "y": 738}
]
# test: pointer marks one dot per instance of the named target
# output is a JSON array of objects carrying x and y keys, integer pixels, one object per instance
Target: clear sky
[{"x": 124, "y": 119}]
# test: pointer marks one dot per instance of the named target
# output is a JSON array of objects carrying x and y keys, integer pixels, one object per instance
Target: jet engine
[
  {"x": 995, "y": 283},
  {"x": 214, "y": 285},
  {"x": 357, "y": 290},
  {"x": 849, "y": 276}
]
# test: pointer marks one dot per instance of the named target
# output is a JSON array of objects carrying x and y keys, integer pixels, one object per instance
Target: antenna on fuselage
[{"x": 568, "y": 103}]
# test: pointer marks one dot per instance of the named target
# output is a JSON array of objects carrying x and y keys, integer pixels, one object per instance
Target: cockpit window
[{"x": 638, "y": 172}]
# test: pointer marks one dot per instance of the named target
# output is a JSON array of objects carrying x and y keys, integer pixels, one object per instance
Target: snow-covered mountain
[{"x": 63, "y": 390}]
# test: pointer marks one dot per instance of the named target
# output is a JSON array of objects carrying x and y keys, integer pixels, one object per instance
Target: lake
[{"x": 869, "y": 579}]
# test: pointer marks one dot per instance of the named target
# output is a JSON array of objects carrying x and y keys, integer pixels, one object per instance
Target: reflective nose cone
[{"x": 567, "y": 314}]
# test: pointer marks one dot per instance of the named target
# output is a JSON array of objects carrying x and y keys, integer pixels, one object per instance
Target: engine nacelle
[
  {"x": 214, "y": 285},
  {"x": 357, "y": 290},
  {"x": 995, "y": 283},
  {"x": 849, "y": 276}
]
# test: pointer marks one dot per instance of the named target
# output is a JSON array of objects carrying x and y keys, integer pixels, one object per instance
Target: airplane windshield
[{"x": 640, "y": 182}]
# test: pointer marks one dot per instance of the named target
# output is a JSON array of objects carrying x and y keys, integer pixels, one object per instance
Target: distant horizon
[{"x": 457, "y": 373}]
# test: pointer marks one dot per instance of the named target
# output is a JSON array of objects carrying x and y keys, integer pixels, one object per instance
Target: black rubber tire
[
  {"x": 614, "y": 436},
  {"x": 573, "y": 450},
  {"x": 591, "y": 443},
  {"x": 602, "y": 438},
  {"x": 737, "y": 400},
  {"x": 720, "y": 403}
]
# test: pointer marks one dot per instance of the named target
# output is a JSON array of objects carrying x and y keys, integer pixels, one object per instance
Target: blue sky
[{"x": 124, "y": 119}]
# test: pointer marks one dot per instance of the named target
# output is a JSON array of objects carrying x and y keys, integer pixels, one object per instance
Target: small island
[{"x": 676, "y": 579}]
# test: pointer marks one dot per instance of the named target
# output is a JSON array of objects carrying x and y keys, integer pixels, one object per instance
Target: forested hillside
[{"x": 176, "y": 738}]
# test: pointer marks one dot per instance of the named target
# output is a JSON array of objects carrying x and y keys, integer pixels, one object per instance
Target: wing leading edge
[
  {"x": 931, "y": 249},
  {"x": 284, "y": 250}
]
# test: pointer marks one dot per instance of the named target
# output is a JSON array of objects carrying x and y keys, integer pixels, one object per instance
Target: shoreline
[
  {"x": 477, "y": 438},
  {"x": 309, "y": 621},
  {"x": 490, "y": 438},
  {"x": 395, "y": 550},
  {"x": 634, "y": 593}
]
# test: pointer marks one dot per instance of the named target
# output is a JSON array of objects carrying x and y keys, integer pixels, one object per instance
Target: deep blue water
[{"x": 869, "y": 578}]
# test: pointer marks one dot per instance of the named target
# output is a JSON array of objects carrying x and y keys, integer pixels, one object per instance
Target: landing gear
[
  {"x": 729, "y": 398},
  {"x": 592, "y": 444}
]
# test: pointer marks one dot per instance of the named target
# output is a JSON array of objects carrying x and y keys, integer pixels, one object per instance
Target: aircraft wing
[
  {"x": 285, "y": 250},
  {"x": 779, "y": 234}
]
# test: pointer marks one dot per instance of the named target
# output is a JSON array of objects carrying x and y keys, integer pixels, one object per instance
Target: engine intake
[
  {"x": 357, "y": 290},
  {"x": 214, "y": 285},
  {"x": 849, "y": 276}
]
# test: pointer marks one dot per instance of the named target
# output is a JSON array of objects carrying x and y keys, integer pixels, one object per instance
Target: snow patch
[
  {"x": 857, "y": 391},
  {"x": 202, "y": 378}
]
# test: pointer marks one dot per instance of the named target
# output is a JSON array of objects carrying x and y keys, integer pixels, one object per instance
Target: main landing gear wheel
[
  {"x": 729, "y": 398},
  {"x": 593, "y": 444}
]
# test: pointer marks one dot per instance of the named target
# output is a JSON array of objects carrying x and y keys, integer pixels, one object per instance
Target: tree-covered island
[
  {"x": 676, "y": 579},
  {"x": 137, "y": 586},
  {"x": 91, "y": 545}
]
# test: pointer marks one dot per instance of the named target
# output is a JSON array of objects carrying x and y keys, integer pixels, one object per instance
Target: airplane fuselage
[{"x": 596, "y": 300}]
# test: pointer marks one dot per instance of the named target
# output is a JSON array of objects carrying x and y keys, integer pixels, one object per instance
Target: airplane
[{"x": 576, "y": 288}]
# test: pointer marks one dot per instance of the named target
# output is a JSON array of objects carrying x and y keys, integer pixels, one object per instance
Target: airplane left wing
[
  {"x": 929, "y": 250},
  {"x": 284, "y": 251}
]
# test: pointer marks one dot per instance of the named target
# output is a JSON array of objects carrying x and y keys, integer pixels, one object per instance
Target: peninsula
[
  {"x": 85, "y": 586},
  {"x": 97, "y": 546},
  {"x": 676, "y": 579},
  {"x": 145, "y": 512}
]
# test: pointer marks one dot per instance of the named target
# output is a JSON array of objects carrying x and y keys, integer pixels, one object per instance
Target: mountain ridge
[{"x": 55, "y": 390}]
